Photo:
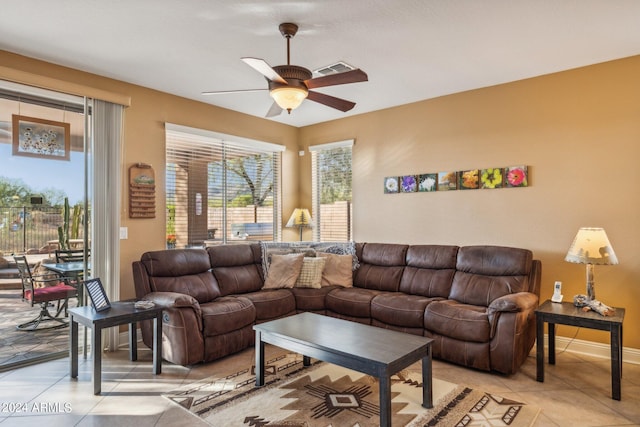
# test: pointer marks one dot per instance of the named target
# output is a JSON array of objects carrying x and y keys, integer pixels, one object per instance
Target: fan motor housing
[{"x": 293, "y": 74}]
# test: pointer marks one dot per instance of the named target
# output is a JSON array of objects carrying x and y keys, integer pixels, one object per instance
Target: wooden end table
[
  {"x": 120, "y": 313},
  {"x": 566, "y": 313}
]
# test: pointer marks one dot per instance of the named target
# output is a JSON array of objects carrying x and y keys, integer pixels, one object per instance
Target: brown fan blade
[
  {"x": 265, "y": 69},
  {"x": 331, "y": 101},
  {"x": 222, "y": 92},
  {"x": 275, "y": 110},
  {"x": 353, "y": 76}
]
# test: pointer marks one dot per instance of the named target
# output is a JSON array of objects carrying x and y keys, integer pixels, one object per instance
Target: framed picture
[
  {"x": 97, "y": 295},
  {"x": 391, "y": 184},
  {"x": 468, "y": 180},
  {"x": 41, "y": 138},
  {"x": 447, "y": 181},
  {"x": 427, "y": 182},
  {"x": 491, "y": 178},
  {"x": 408, "y": 184},
  {"x": 517, "y": 176}
]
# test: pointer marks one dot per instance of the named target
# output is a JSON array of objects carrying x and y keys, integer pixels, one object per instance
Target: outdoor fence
[{"x": 28, "y": 228}]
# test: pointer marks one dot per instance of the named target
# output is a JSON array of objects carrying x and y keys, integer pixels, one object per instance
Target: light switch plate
[{"x": 124, "y": 233}]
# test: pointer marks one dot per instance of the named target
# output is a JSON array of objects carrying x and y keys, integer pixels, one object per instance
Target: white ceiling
[{"x": 411, "y": 49}]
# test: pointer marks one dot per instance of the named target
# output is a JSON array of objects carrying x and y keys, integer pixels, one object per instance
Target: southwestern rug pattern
[{"x": 326, "y": 395}]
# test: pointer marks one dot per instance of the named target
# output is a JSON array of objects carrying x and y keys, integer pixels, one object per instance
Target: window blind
[
  {"x": 331, "y": 191},
  {"x": 220, "y": 188}
]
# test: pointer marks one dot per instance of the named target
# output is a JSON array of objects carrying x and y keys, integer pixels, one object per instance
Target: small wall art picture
[
  {"x": 447, "y": 181},
  {"x": 427, "y": 182},
  {"x": 517, "y": 176},
  {"x": 33, "y": 137},
  {"x": 491, "y": 178},
  {"x": 468, "y": 180},
  {"x": 408, "y": 184},
  {"x": 391, "y": 184}
]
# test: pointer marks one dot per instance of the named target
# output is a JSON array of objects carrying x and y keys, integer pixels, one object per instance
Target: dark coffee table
[{"x": 368, "y": 349}]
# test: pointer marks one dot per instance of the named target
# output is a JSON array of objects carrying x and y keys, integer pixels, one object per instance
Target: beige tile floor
[{"x": 576, "y": 391}]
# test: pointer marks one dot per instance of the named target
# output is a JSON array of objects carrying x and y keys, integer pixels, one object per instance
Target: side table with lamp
[{"x": 590, "y": 246}]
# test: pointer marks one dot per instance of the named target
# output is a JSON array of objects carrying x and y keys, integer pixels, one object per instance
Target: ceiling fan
[{"x": 289, "y": 84}]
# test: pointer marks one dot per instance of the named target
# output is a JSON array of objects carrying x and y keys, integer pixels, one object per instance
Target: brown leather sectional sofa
[{"x": 476, "y": 302}]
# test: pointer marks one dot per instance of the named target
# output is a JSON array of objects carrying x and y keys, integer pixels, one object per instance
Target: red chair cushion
[{"x": 50, "y": 293}]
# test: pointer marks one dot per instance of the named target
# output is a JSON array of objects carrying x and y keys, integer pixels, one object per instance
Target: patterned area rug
[{"x": 326, "y": 395}]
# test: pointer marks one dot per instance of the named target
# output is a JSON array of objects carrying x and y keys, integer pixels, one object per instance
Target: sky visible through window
[{"x": 40, "y": 174}]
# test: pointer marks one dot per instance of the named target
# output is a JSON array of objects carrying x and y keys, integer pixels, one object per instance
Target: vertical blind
[
  {"x": 220, "y": 188},
  {"x": 331, "y": 191}
]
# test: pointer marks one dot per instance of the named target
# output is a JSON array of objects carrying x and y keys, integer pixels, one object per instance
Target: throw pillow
[
  {"x": 269, "y": 249},
  {"x": 283, "y": 271},
  {"x": 338, "y": 248},
  {"x": 337, "y": 270},
  {"x": 311, "y": 273}
]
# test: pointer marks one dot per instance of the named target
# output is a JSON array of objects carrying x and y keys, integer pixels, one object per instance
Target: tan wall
[
  {"x": 144, "y": 141},
  {"x": 579, "y": 133}
]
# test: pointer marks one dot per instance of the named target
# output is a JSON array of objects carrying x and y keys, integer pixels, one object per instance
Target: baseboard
[
  {"x": 123, "y": 339},
  {"x": 590, "y": 348}
]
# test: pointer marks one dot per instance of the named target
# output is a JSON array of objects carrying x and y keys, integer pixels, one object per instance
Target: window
[
  {"x": 220, "y": 188},
  {"x": 331, "y": 191}
]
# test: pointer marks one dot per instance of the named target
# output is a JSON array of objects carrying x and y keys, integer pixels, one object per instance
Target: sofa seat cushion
[
  {"x": 227, "y": 314},
  {"x": 460, "y": 321},
  {"x": 311, "y": 299},
  {"x": 353, "y": 302},
  {"x": 399, "y": 309},
  {"x": 272, "y": 303}
]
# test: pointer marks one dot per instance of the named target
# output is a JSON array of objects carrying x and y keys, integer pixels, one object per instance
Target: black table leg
[
  {"x": 539, "y": 349},
  {"x": 73, "y": 347},
  {"x": 427, "y": 386},
  {"x": 552, "y": 343},
  {"x": 157, "y": 344},
  {"x": 616, "y": 362},
  {"x": 96, "y": 350},
  {"x": 133, "y": 342},
  {"x": 259, "y": 360},
  {"x": 385, "y": 400}
]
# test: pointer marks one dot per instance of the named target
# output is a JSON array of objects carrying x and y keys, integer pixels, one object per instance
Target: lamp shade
[
  {"x": 299, "y": 218},
  {"x": 289, "y": 97},
  {"x": 591, "y": 246}
]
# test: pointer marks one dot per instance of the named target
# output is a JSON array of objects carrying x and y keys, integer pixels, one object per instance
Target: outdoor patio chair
[
  {"x": 71, "y": 255},
  {"x": 43, "y": 291}
]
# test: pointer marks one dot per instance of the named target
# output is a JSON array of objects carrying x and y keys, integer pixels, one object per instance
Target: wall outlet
[{"x": 124, "y": 233}]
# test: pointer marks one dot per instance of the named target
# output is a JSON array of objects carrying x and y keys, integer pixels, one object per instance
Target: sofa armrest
[
  {"x": 172, "y": 299},
  {"x": 176, "y": 300},
  {"x": 511, "y": 303},
  {"x": 512, "y": 319}
]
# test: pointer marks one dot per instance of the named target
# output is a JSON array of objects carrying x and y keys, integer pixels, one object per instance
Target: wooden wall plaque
[{"x": 142, "y": 191}]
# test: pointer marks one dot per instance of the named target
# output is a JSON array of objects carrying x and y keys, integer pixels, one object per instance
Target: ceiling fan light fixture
[{"x": 288, "y": 97}]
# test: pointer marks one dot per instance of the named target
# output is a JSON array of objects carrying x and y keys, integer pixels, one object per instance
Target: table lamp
[
  {"x": 300, "y": 218},
  {"x": 591, "y": 246}
]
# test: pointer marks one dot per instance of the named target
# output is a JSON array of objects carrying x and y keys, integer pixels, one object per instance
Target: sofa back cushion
[
  {"x": 485, "y": 273},
  {"x": 186, "y": 271},
  {"x": 381, "y": 266},
  {"x": 237, "y": 268},
  {"x": 429, "y": 271}
]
